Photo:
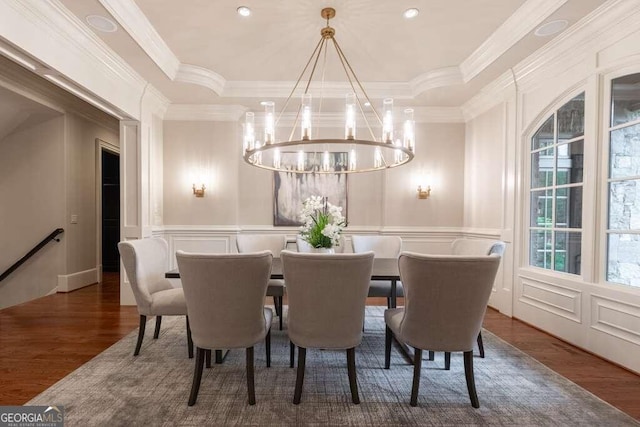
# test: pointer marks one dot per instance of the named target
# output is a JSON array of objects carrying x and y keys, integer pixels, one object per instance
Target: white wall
[
  {"x": 583, "y": 309},
  {"x": 33, "y": 205}
]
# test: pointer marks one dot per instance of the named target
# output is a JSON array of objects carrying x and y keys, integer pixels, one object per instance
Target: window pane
[
  {"x": 624, "y": 205},
  {"x": 568, "y": 252},
  {"x": 623, "y": 265},
  {"x": 542, "y": 168},
  {"x": 541, "y": 208},
  {"x": 540, "y": 248},
  {"x": 570, "y": 163},
  {"x": 625, "y": 99},
  {"x": 544, "y": 135},
  {"x": 624, "y": 152},
  {"x": 571, "y": 118},
  {"x": 569, "y": 207}
]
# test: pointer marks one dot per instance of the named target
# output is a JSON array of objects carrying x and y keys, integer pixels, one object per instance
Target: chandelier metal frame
[{"x": 401, "y": 151}]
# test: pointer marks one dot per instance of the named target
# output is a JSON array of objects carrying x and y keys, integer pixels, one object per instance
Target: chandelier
[{"x": 350, "y": 154}]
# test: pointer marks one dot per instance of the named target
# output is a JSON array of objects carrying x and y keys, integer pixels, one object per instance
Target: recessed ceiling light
[
  {"x": 410, "y": 13},
  {"x": 551, "y": 28},
  {"x": 367, "y": 104},
  {"x": 101, "y": 23},
  {"x": 244, "y": 11}
]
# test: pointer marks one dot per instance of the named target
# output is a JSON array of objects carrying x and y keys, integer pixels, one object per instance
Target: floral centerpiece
[{"x": 322, "y": 222}]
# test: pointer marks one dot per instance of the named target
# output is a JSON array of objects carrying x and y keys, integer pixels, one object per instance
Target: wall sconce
[
  {"x": 424, "y": 194},
  {"x": 198, "y": 192}
]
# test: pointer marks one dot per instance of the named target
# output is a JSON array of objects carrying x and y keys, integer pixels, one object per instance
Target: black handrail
[{"x": 32, "y": 252}]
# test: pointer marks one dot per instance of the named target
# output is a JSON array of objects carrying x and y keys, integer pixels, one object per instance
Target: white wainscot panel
[
  {"x": 559, "y": 300},
  {"x": 205, "y": 244},
  {"x": 617, "y": 318}
]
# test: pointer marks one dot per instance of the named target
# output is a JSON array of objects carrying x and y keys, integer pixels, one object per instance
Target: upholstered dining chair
[
  {"x": 327, "y": 294},
  {"x": 274, "y": 243},
  {"x": 225, "y": 298},
  {"x": 445, "y": 300},
  {"x": 475, "y": 247},
  {"x": 382, "y": 247},
  {"x": 145, "y": 262}
]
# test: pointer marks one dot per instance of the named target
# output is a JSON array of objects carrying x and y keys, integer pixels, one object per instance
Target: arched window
[
  {"x": 555, "y": 216},
  {"x": 623, "y": 216}
]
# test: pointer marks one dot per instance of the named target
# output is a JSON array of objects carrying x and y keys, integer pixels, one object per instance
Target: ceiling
[
  {"x": 18, "y": 112},
  {"x": 203, "y": 52}
]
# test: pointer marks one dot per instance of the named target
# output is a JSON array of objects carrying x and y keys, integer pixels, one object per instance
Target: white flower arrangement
[{"x": 322, "y": 222}]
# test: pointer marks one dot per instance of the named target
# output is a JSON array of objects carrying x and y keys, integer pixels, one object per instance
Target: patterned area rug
[{"x": 116, "y": 388}]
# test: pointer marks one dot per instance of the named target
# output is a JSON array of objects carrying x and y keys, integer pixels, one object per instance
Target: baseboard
[{"x": 71, "y": 282}]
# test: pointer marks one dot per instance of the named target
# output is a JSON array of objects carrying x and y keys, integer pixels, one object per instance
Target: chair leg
[
  {"x": 197, "y": 376},
  {"x": 447, "y": 360},
  {"x": 156, "y": 333},
  {"x": 275, "y": 305},
  {"x": 417, "y": 364},
  {"x": 189, "y": 340},
  {"x": 389, "y": 302},
  {"x": 292, "y": 354},
  {"x": 471, "y": 383},
  {"x": 267, "y": 345},
  {"x": 480, "y": 345},
  {"x": 250, "y": 383},
  {"x": 143, "y": 324},
  {"x": 388, "y": 336},
  {"x": 302, "y": 357},
  {"x": 432, "y": 355},
  {"x": 208, "y": 358},
  {"x": 281, "y": 311},
  {"x": 351, "y": 369}
]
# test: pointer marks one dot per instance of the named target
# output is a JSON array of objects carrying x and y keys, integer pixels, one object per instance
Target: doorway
[{"x": 110, "y": 210}]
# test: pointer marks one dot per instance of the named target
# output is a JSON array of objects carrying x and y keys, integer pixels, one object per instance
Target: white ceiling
[{"x": 441, "y": 58}]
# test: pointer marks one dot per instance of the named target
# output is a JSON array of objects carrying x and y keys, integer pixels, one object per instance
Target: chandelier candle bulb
[
  {"x": 377, "y": 158},
  {"x": 352, "y": 159},
  {"x": 300, "y": 165},
  {"x": 397, "y": 153},
  {"x": 258, "y": 155},
  {"x": 249, "y": 131},
  {"x": 276, "y": 158},
  {"x": 306, "y": 117},
  {"x": 350, "y": 122},
  {"x": 326, "y": 166},
  {"x": 269, "y": 123},
  {"x": 387, "y": 120},
  {"x": 409, "y": 130}
]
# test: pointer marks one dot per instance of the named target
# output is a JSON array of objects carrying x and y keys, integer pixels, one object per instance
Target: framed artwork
[{"x": 290, "y": 189}]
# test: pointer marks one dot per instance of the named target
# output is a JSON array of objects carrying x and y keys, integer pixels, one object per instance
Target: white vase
[{"x": 324, "y": 250}]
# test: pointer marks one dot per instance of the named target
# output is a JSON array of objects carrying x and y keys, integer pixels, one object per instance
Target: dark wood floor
[{"x": 44, "y": 340}]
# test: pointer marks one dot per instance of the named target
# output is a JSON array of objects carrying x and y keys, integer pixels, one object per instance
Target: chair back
[
  {"x": 225, "y": 297},
  {"x": 145, "y": 262},
  {"x": 382, "y": 246},
  {"x": 445, "y": 299},
  {"x": 327, "y": 295},
  {"x": 261, "y": 242},
  {"x": 478, "y": 247}
]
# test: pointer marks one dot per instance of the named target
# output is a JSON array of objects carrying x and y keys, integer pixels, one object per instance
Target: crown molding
[
  {"x": 610, "y": 22},
  {"x": 214, "y": 113},
  {"x": 201, "y": 76},
  {"x": 50, "y": 32},
  {"x": 516, "y": 27},
  {"x": 441, "y": 77},
  {"x": 133, "y": 21},
  {"x": 489, "y": 96},
  {"x": 155, "y": 101}
]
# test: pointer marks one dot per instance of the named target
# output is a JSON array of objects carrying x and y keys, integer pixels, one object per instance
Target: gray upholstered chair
[
  {"x": 225, "y": 298},
  {"x": 383, "y": 247},
  {"x": 475, "y": 247},
  {"x": 262, "y": 242},
  {"x": 327, "y": 295},
  {"x": 145, "y": 262},
  {"x": 445, "y": 300}
]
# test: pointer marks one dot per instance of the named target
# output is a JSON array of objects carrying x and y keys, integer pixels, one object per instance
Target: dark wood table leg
[{"x": 394, "y": 294}]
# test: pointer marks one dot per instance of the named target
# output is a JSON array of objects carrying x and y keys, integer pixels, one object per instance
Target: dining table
[{"x": 383, "y": 269}]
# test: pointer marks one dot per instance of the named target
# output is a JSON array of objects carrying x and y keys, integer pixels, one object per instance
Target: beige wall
[
  {"x": 242, "y": 195},
  {"x": 33, "y": 205}
]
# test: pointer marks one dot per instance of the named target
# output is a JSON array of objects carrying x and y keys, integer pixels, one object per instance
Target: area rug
[{"x": 117, "y": 389}]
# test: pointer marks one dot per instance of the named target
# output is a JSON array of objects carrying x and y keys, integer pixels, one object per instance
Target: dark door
[{"x": 110, "y": 211}]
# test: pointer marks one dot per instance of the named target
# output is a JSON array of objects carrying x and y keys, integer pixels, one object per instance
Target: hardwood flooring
[{"x": 44, "y": 340}]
